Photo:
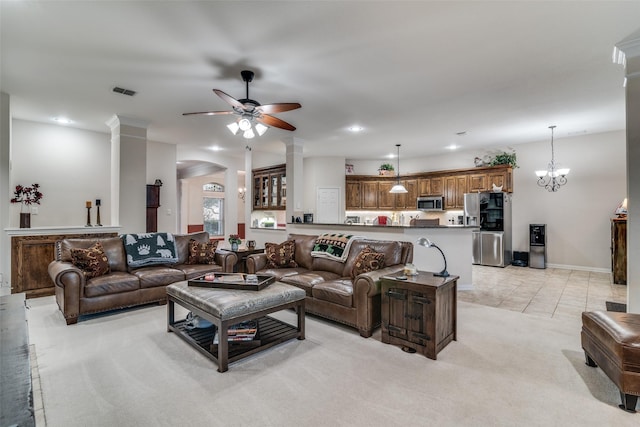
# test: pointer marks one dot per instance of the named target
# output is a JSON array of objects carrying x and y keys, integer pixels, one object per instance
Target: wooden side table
[
  {"x": 419, "y": 313},
  {"x": 242, "y": 254}
]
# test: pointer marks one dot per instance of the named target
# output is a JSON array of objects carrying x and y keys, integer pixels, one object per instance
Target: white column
[
  {"x": 248, "y": 184},
  {"x": 295, "y": 177},
  {"x": 631, "y": 48},
  {"x": 128, "y": 173},
  {"x": 5, "y": 192}
]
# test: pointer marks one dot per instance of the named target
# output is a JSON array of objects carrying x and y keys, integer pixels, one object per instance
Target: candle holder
[
  {"x": 88, "y": 217},
  {"x": 98, "y": 216}
]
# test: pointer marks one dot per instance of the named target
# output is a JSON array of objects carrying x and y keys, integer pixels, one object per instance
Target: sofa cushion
[
  {"x": 279, "y": 273},
  {"x": 308, "y": 280},
  {"x": 304, "y": 246},
  {"x": 202, "y": 252},
  {"x": 112, "y": 283},
  {"x": 112, "y": 246},
  {"x": 281, "y": 255},
  {"x": 335, "y": 291},
  {"x": 182, "y": 244},
  {"x": 367, "y": 260},
  {"x": 157, "y": 275},
  {"x": 92, "y": 261},
  {"x": 392, "y": 251}
]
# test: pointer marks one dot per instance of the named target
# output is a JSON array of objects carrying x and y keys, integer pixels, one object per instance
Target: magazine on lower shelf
[{"x": 240, "y": 332}]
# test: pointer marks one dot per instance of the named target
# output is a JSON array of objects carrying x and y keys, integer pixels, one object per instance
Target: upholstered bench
[
  {"x": 226, "y": 307},
  {"x": 611, "y": 340}
]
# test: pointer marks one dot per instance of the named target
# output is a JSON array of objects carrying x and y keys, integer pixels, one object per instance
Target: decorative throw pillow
[
  {"x": 281, "y": 255},
  {"x": 92, "y": 261},
  {"x": 202, "y": 253},
  {"x": 367, "y": 260}
]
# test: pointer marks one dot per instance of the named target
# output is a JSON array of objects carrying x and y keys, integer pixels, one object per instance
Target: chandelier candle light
[
  {"x": 555, "y": 176},
  {"x": 398, "y": 188}
]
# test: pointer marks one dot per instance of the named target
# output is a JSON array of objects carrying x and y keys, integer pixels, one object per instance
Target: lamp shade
[{"x": 398, "y": 188}]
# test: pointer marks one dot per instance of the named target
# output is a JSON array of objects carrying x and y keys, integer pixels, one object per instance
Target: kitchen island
[{"x": 454, "y": 240}]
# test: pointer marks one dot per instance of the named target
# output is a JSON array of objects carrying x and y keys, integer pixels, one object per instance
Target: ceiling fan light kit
[{"x": 253, "y": 117}]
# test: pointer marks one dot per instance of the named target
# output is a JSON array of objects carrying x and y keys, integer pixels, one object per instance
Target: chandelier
[
  {"x": 398, "y": 188},
  {"x": 554, "y": 176}
]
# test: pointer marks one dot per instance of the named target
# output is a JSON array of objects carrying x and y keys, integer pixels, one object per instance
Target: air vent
[{"x": 123, "y": 91}]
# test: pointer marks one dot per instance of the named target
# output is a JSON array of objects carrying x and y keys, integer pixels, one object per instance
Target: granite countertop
[{"x": 383, "y": 226}]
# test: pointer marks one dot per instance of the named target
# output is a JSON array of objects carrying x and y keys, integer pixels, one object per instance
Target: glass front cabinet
[{"x": 270, "y": 188}]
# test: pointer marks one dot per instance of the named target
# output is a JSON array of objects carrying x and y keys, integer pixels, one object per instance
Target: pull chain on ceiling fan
[{"x": 252, "y": 117}]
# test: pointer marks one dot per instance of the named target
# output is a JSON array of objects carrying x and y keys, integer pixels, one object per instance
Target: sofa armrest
[
  {"x": 368, "y": 284},
  {"x": 69, "y": 282},
  {"x": 226, "y": 259},
  {"x": 256, "y": 262}
]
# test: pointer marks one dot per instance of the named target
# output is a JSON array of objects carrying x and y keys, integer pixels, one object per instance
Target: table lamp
[{"x": 423, "y": 241}]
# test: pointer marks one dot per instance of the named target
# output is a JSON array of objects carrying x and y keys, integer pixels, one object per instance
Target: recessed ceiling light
[
  {"x": 452, "y": 147},
  {"x": 215, "y": 148},
  {"x": 62, "y": 120},
  {"x": 356, "y": 128}
]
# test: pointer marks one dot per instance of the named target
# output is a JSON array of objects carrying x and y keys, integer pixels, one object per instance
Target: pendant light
[
  {"x": 554, "y": 176},
  {"x": 398, "y": 188}
]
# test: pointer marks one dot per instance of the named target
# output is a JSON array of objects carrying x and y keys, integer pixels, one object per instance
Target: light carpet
[{"x": 505, "y": 369}]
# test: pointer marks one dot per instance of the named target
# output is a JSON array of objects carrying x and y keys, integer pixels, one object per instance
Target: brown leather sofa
[
  {"x": 123, "y": 286},
  {"x": 330, "y": 291}
]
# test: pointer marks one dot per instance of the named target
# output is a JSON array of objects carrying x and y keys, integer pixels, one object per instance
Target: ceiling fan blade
[
  {"x": 229, "y": 99},
  {"x": 209, "y": 113},
  {"x": 278, "y": 108},
  {"x": 275, "y": 122}
]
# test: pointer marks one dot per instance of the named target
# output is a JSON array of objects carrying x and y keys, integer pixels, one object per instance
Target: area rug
[{"x": 505, "y": 369}]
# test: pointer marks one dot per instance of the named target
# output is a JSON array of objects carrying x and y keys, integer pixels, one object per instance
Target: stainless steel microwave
[{"x": 432, "y": 203}]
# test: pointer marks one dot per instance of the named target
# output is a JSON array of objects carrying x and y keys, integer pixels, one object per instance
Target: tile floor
[{"x": 549, "y": 292}]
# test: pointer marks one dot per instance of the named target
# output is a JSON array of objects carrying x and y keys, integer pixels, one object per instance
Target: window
[{"x": 213, "y": 209}]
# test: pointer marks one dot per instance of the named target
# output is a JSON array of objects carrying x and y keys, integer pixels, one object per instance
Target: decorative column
[
  {"x": 5, "y": 192},
  {"x": 128, "y": 173},
  {"x": 631, "y": 49},
  {"x": 295, "y": 177}
]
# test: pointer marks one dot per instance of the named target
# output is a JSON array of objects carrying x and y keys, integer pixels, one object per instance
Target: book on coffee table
[{"x": 243, "y": 332}]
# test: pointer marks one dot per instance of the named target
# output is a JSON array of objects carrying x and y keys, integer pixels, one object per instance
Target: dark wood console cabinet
[
  {"x": 153, "y": 203},
  {"x": 619, "y": 250},
  {"x": 419, "y": 313}
]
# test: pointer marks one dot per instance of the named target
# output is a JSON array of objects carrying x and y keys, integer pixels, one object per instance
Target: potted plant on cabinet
[{"x": 386, "y": 169}]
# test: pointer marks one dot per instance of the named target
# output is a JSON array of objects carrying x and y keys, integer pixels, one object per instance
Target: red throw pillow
[
  {"x": 92, "y": 261},
  {"x": 202, "y": 253},
  {"x": 281, "y": 255},
  {"x": 367, "y": 260}
]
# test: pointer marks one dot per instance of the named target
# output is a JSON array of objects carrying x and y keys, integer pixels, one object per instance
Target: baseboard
[{"x": 579, "y": 268}]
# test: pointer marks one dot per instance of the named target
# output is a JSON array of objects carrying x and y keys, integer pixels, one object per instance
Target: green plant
[
  {"x": 504, "y": 158},
  {"x": 386, "y": 167}
]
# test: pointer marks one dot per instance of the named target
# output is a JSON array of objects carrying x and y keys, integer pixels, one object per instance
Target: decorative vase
[
  {"x": 25, "y": 216},
  {"x": 234, "y": 246}
]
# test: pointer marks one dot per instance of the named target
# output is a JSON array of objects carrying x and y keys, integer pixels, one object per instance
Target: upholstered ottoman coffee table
[
  {"x": 611, "y": 340},
  {"x": 226, "y": 307}
]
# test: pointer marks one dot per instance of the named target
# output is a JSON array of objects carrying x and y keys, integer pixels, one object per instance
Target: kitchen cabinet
[
  {"x": 369, "y": 194},
  {"x": 430, "y": 186},
  {"x": 420, "y": 313},
  {"x": 477, "y": 183},
  {"x": 386, "y": 200},
  {"x": 500, "y": 179},
  {"x": 270, "y": 188},
  {"x": 437, "y": 187},
  {"x": 353, "y": 195},
  {"x": 408, "y": 200},
  {"x": 454, "y": 188},
  {"x": 619, "y": 250}
]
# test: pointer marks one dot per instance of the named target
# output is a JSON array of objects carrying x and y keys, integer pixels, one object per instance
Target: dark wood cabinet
[
  {"x": 30, "y": 258},
  {"x": 353, "y": 195},
  {"x": 270, "y": 188},
  {"x": 419, "y": 313},
  {"x": 369, "y": 194},
  {"x": 408, "y": 200},
  {"x": 153, "y": 203},
  {"x": 619, "y": 250},
  {"x": 386, "y": 200}
]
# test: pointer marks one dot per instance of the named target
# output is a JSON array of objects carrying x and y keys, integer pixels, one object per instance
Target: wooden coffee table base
[{"x": 271, "y": 331}]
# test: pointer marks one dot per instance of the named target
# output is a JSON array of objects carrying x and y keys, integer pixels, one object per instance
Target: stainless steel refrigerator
[{"x": 492, "y": 213}]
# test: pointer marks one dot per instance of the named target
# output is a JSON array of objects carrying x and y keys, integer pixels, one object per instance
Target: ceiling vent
[{"x": 123, "y": 91}]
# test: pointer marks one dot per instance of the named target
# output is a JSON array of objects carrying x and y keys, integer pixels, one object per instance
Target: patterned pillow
[
  {"x": 281, "y": 255},
  {"x": 367, "y": 260},
  {"x": 202, "y": 253},
  {"x": 93, "y": 261}
]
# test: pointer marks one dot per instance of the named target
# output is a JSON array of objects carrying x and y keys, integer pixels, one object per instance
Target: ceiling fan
[{"x": 250, "y": 111}]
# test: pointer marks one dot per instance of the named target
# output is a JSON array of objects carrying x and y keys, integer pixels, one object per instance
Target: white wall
[
  {"x": 577, "y": 216},
  {"x": 71, "y": 166},
  {"x": 161, "y": 164}
]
